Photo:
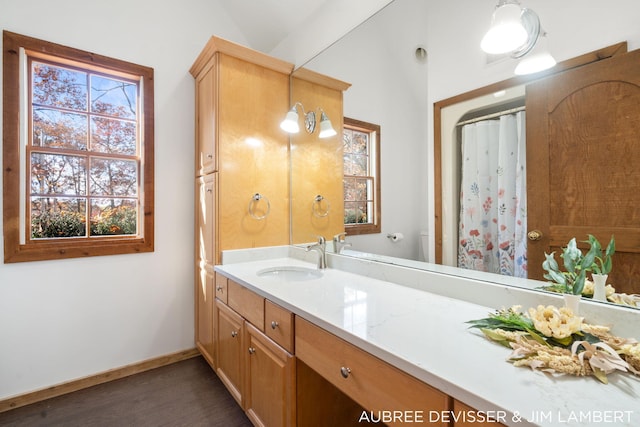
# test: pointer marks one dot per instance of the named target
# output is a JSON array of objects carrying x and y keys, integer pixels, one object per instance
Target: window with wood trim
[
  {"x": 77, "y": 153},
  {"x": 361, "y": 142}
]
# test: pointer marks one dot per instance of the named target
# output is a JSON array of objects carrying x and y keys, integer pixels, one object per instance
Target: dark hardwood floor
[{"x": 187, "y": 393}]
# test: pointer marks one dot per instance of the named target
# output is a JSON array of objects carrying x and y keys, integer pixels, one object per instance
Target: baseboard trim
[{"x": 100, "y": 378}]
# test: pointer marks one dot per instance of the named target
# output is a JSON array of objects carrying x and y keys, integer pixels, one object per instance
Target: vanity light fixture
[
  {"x": 290, "y": 122},
  {"x": 505, "y": 36}
]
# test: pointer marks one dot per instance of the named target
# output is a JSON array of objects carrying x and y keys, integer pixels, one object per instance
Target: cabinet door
[
  {"x": 204, "y": 315},
  {"x": 206, "y": 119},
  {"x": 205, "y": 227},
  {"x": 469, "y": 417},
  {"x": 270, "y": 381},
  {"x": 229, "y": 354}
]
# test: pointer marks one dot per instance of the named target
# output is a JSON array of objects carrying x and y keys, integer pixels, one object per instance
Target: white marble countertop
[{"x": 425, "y": 335}]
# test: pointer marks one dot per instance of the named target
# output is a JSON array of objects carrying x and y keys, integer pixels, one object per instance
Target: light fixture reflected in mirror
[
  {"x": 326, "y": 129},
  {"x": 506, "y": 30},
  {"x": 290, "y": 122},
  {"x": 538, "y": 59}
]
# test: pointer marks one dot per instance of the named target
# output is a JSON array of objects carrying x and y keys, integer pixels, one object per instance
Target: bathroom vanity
[{"x": 363, "y": 341}]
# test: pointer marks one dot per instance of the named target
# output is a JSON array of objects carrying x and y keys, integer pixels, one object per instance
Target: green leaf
[
  {"x": 588, "y": 260},
  {"x": 611, "y": 247},
  {"x": 550, "y": 264},
  {"x": 562, "y": 342},
  {"x": 496, "y": 337},
  {"x": 557, "y": 277},
  {"x": 534, "y": 334},
  {"x": 578, "y": 285},
  {"x": 572, "y": 256}
]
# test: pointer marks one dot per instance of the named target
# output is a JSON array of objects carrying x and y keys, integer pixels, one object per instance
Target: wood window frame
[
  {"x": 16, "y": 250},
  {"x": 375, "y": 226}
]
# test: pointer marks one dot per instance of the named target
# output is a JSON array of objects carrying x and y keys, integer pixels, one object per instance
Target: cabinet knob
[
  {"x": 219, "y": 288},
  {"x": 209, "y": 156},
  {"x": 274, "y": 324},
  {"x": 345, "y": 372},
  {"x": 234, "y": 334},
  {"x": 252, "y": 350}
]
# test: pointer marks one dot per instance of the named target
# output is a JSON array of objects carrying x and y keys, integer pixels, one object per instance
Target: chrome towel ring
[
  {"x": 316, "y": 206},
  {"x": 255, "y": 199}
]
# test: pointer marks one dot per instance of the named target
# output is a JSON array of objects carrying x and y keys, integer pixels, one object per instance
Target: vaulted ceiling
[{"x": 265, "y": 23}]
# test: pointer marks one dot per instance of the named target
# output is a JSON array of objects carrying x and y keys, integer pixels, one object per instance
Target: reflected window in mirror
[{"x": 362, "y": 205}]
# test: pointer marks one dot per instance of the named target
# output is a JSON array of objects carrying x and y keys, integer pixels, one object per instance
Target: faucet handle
[{"x": 340, "y": 237}]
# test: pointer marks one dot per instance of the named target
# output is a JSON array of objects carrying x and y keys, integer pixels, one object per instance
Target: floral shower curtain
[{"x": 493, "y": 206}]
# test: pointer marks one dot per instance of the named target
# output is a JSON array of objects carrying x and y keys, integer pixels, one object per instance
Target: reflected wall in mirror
[
  {"x": 390, "y": 91},
  {"x": 316, "y": 163},
  {"x": 380, "y": 55}
]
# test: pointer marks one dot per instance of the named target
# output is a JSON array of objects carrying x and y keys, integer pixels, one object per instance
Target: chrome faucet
[
  {"x": 320, "y": 247},
  {"x": 339, "y": 242}
]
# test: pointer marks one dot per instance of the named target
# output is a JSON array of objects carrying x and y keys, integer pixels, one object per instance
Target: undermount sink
[{"x": 290, "y": 272}]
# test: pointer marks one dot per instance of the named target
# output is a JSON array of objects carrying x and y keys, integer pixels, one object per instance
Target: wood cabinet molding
[{"x": 218, "y": 44}]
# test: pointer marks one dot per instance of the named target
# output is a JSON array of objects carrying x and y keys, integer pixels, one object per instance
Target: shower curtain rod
[{"x": 491, "y": 116}]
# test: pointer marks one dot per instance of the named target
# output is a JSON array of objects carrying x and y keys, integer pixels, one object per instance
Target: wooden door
[{"x": 583, "y": 130}]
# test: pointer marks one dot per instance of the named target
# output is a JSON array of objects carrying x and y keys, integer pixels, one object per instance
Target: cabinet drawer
[
  {"x": 246, "y": 303},
  {"x": 279, "y": 325},
  {"x": 371, "y": 382},
  {"x": 221, "y": 287}
]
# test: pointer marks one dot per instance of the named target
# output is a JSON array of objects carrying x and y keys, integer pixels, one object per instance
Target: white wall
[
  {"x": 61, "y": 320},
  {"x": 332, "y": 20},
  {"x": 455, "y": 28},
  {"x": 389, "y": 89}
]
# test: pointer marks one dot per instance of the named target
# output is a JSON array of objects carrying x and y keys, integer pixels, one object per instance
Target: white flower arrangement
[{"x": 556, "y": 341}]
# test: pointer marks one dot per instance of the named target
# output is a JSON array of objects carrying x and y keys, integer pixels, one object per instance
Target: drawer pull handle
[
  {"x": 234, "y": 334},
  {"x": 274, "y": 324},
  {"x": 252, "y": 350},
  {"x": 345, "y": 372},
  {"x": 219, "y": 288}
]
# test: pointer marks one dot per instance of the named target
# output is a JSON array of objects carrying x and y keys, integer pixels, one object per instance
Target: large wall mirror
[{"x": 396, "y": 86}]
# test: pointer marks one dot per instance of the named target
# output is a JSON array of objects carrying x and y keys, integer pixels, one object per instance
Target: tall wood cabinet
[
  {"x": 242, "y": 190},
  {"x": 241, "y": 164}
]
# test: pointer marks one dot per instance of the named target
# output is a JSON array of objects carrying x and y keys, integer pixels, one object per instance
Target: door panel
[
  {"x": 582, "y": 148},
  {"x": 229, "y": 340}
]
